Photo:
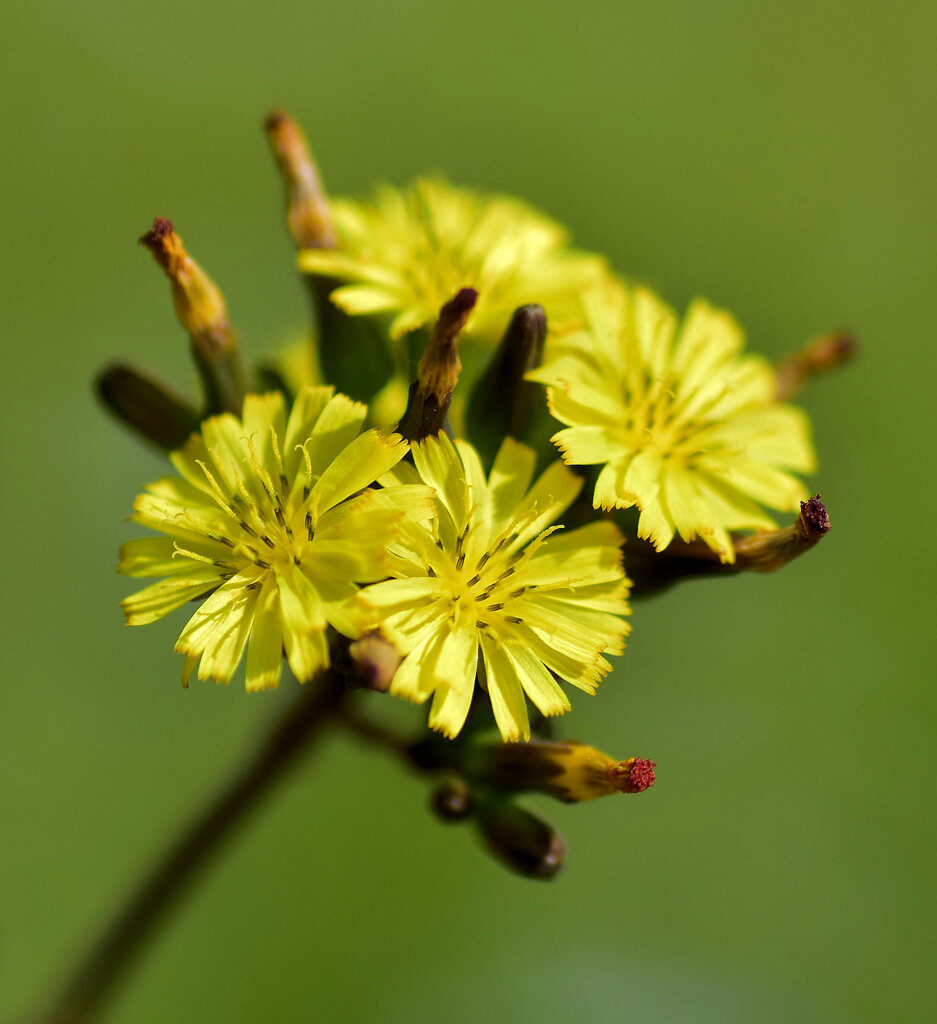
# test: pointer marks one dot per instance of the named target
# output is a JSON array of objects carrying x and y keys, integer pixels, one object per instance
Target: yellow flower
[
  {"x": 684, "y": 425},
  {"x": 269, "y": 526},
  {"x": 490, "y": 574},
  {"x": 409, "y": 251}
]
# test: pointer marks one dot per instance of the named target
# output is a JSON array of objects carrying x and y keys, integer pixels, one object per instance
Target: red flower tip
[{"x": 642, "y": 774}]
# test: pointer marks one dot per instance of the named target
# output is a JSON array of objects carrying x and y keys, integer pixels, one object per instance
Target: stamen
[
  {"x": 275, "y": 445},
  {"x": 216, "y": 491},
  {"x": 185, "y": 553},
  {"x": 308, "y": 462}
]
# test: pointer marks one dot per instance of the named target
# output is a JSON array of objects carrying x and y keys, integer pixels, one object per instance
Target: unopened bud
[
  {"x": 452, "y": 801},
  {"x": 200, "y": 308},
  {"x": 522, "y": 841},
  {"x": 375, "y": 661},
  {"x": 824, "y": 353},
  {"x": 147, "y": 406},
  {"x": 427, "y": 410},
  {"x": 307, "y": 209},
  {"x": 571, "y": 772},
  {"x": 502, "y": 402}
]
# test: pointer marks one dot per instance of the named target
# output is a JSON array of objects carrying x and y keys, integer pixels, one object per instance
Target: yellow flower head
[
  {"x": 409, "y": 251},
  {"x": 490, "y": 574},
  {"x": 266, "y": 523},
  {"x": 685, "y": 426}
]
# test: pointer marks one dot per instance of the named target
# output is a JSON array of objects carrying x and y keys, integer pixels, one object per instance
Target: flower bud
[
  {"x": 571, "y": 772},
  {"x": 820, "y": 355},
  {"x": 452, "y": 801},
  {"x": 427, "y": 410},
  {"x": 200, "y": 308},
  {"x": 307, "y": 210},
  {"x": 519, "y": 839},
  {"x": 502, "y": 403},
  {"x": 375, "y": 661},
  {"x": 147, "y": 406}
]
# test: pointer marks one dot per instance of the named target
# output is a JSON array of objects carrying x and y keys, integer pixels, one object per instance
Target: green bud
[
  {"x": 519, "y": 839},
  {"x": 147, "y": 406}
]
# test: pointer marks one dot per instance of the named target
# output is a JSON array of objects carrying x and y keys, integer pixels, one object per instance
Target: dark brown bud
[
  {"x": 427, "y": 410},
  {"x": 452, "y": 801},
  {"x": 503, "y": 403},
  {"x": 522, "y": 841}
]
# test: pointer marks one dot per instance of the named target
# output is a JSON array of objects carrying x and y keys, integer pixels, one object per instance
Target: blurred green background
[{"x": 777, "y": 157}]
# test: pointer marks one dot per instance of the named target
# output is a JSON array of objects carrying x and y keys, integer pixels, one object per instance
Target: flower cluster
[{"x": 481, "y": 570}]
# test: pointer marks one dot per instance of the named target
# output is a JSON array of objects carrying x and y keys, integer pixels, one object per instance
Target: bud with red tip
[{"x": 571, "y": 771}]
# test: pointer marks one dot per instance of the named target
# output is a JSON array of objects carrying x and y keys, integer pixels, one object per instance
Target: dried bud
[
  {"x": 652, "y": 571},
  {"x": 520, "y": 840},
  {"x": 428, "y": 405},
  {"x": 824, "y": 353},
  {"x": 200, "y": 308},
  {"x": 571, "y": 772},
  {"x": 375, "y": 661},
  {"x": 307, "y": 209},
  {"x": 768, "y": 552},
  {"x": 147, "y": 406}
]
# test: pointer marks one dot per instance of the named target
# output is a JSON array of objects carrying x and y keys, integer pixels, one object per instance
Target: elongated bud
[
  {"x": 820, "y": 355},
  {"x": 571, "y": 772},
  {"x": 375, "y": 660},
  {"x": 653, "y": 571},
  {"x": 307, "y": 209},
  {"x": 502, "y": 402},
  {"x": 147, "y": 406},
  {"x": 200, "y": 308},
  {"x": 521, "y": 840},
  {"x": 430, "y": 395}
]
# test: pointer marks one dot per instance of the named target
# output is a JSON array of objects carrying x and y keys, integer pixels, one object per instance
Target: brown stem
[{"x": 109, "y": 960}]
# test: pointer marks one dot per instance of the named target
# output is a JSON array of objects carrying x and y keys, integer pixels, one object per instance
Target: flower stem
[{"x": 99, "y": 973}]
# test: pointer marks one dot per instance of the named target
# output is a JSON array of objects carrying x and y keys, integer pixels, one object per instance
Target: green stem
[{"x": 99, "y": 973}]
